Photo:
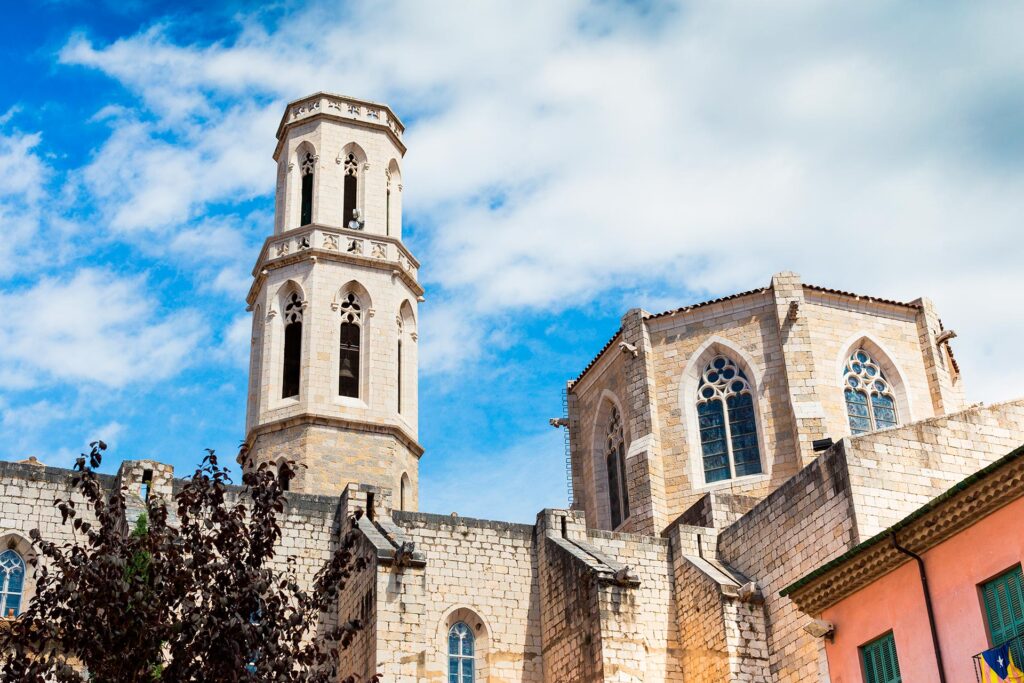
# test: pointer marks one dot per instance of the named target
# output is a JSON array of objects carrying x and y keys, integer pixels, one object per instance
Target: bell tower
[{"x": 333, "y": 368}]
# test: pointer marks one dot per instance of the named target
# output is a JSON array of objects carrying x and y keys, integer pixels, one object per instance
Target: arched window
[
  {"x": 460, "y": 654},
  {"x": 398, "y": 362},
  {"x": 349, "y": 188},
  {"x": 615, "y": 459},
  {"x": 284, "y": 476},
  {"x": 403, "y": 487},
  {"x": 387, "y": 204},
  {"x": 292, "y": 345},
  {"x": 12, "y": 567},
  {"x": 728, "y": 446},
  {"x": 307, "y": 167},
  {"x": 349, "y": 345},
  {"x": 870, "y": 403}
]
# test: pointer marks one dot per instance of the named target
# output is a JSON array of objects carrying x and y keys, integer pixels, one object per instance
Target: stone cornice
[
  {"x": 396, "y": 430},
  {"x": 328, "y": 243},
  {"x": 963, "y": 505}
]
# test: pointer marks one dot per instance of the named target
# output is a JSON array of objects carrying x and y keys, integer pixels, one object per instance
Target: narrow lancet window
[
  {"x": 349, "y": 190},
  {"x": 387, "y": 205},
  {"x": 308, "y": 165},
  {"x": 615, "y": 461},
  {"x": 349, "y": 346},
  {"x": 870, "y": 402},
  {"x": 399, "y": 373},
  {"x": 292, "y": 345},
  {"x": 725, "y": 417}
]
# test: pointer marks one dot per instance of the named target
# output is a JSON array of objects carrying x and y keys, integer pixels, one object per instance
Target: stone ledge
[{"x": 449, "y": 521}]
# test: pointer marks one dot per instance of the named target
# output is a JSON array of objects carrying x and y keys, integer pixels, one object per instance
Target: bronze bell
[{"x": 346, "y": 369}]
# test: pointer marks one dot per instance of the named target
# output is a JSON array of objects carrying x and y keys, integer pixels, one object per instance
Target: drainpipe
[{"x": 927, "y": 604}]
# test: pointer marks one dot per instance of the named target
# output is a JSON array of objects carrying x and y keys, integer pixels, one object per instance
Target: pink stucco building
[{"x": 961, "y": 553}]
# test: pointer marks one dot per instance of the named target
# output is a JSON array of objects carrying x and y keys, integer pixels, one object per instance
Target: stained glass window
[
  {"x": 460, "y": 654},
  {"x": 615, "y": 461},
  {"x": 726, "y": 421},
  {"x": 12, "y": 568},
  {"x": 870, "y": 403}
]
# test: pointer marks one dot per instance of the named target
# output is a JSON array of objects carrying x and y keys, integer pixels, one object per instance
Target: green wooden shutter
[
  {"x": 880, "y": 662},
  {"x": 1004, "y": 607}
]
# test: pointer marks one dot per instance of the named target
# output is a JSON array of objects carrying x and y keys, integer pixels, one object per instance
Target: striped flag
[{"x": 997, "y": 666}]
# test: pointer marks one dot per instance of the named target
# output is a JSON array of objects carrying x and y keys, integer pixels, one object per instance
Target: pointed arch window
[
  {"x": 349, "y": 189},
  {"x": 398, "y": 362},
  {"x": 387, "y": 204},
  {"x": 615, "y": 461},
  {"x": 350, "y": 342},
  {"x": 461, "y": 658},
  {"x": 870, "y": 402},
  {"x": 291, "y": 376},
  {"x": 307, "y": 168},
  {"x": 728, "y": 429},
  {"x": 12, "y": 571}
]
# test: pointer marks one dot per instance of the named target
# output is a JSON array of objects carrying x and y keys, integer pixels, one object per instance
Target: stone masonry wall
[
  {"x": 570, "y": 617},
  {"x": 895, "y": 471},
  {"x": 803, "y": 524},
  {"x": 791, "y": 340},
  {"x": 744, "y": 329},
  {"x": 837, "y": 325},
  {"x": 605, "y": 384},
  {"x": 28, "y": 495},
  {"x": 330, "y": 458},
  {"x": 481, "y": 572},
  {"x": 639, "y": 638},
  {"x": 358, "y": 602}
]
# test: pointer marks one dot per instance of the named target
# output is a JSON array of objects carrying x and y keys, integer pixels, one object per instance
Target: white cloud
[
  {"x": 93, "y": 327},
  {"x": 562, "y": 149},
  {"x": 237, "y": 340},
  {"x": 23, "y": 179}
]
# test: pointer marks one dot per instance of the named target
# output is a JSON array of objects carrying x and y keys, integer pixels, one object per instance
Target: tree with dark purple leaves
[{"x": 192, "y": 592}]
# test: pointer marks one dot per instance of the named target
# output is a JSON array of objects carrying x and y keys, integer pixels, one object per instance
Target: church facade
[{"x": 719, "y": 452}]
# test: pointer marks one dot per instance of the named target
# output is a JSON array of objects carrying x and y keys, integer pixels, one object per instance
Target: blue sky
[{"x": 567, "y": 161}]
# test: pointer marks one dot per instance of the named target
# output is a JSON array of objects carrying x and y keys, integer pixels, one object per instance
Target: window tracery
[
  {"x": 12, "y": 569},
  {"x": 351, "y": 167},
  {"x": 725, "y": 415},
  {"x": 615, "y": 461},
  {"x": 291, "y": 376},
  {"x": 306, "y": 168},
  {"x": 870, "y": 402},
  {"x": 350, "y": 342},
  {"x": 461, "y": 667}
]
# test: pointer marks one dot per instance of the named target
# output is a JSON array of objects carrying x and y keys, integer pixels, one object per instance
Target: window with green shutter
[
  {"x": 880, "y": 662},
  {"x": 1004, "y": 608}
]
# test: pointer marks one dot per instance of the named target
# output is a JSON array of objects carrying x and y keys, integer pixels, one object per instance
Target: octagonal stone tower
[{"x": 333, "y": 370}]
